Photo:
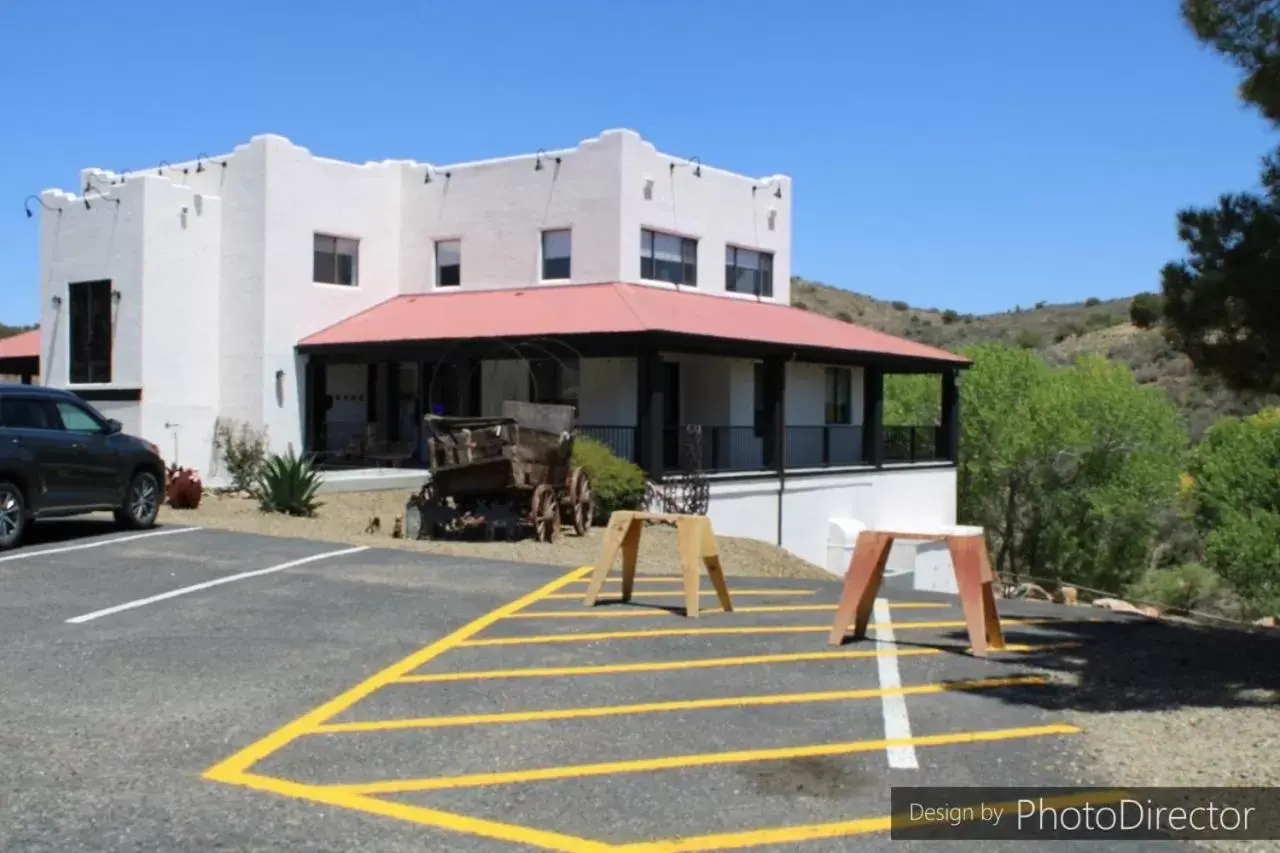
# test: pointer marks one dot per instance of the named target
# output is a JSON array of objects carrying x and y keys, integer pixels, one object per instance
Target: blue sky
[{"x": 972, "y": 155}]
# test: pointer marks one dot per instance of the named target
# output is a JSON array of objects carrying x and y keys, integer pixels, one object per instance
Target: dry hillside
[{"x": 1060, "y": 332}]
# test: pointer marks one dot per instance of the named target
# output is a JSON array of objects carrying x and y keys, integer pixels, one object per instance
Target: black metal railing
[
  {"x": 824, "y": 446},
  {"x": 714, "y": 448},
  {"x": 913, "y": 444},
  {"x": 620, "y": 439}
]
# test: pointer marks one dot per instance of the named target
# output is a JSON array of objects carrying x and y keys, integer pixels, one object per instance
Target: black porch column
[
  {"x": 316, "y": 405},
  {"x": 873, "y": 416},
  {"x": 950, "y": 444},
  {"x": 775, "y": 397},
  {"x": 649, "y": 411}
]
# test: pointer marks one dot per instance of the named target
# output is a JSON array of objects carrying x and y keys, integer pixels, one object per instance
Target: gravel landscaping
[{"x": 345, "y": 516}]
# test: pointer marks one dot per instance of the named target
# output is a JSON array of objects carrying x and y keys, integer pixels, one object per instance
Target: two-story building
[{"x": 333, "y": 304}]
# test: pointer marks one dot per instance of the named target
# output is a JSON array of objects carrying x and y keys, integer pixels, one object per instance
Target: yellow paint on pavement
[
  {"x": 672, "y": 705},
  {"x": 710, "y": 632},
  {"x": 664, "y": 593},
  {"x": 708, "y": 759}
]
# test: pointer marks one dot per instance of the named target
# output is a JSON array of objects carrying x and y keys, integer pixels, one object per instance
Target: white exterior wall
[
  {"x": 910, "y": 498},
  {"x": 214, "y": 301}
]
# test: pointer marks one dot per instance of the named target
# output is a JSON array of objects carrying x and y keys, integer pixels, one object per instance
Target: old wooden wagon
[{"x": 502, "y": 477}]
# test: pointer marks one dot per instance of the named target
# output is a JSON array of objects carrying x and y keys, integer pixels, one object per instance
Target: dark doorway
[{"x": 671, "y": 415}]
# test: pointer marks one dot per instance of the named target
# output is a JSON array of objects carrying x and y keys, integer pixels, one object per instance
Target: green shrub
[
  {"x": 615, "y": 483},
  {"x": 1092, "y": 301},
  {"x": 899, "y": 305},
  {"x": 289, "y": 485},
  {"x": 1146, "y": 309},
  {"x": 950, "y": 316},
  {"x": 243, "y": 450},
  {"x": 845, "y": 316},
  {"x": 1101, "y": 320},
  {"x": 1029, "y": 339},
  {"x": 1189, "y": 586},
  {"x": 1041, "y": 304}
]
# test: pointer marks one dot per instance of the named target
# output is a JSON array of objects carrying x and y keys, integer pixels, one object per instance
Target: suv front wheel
[
  {"x": 13, "y": 515},
  {"x": 141, "y": 502}
]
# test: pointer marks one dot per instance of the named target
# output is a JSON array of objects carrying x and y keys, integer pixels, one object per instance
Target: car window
[
  {"x": 76, "y": 419},
  {"x": 27, "y": 413}
]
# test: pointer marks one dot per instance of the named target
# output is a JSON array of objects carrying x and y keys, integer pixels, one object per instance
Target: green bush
[
  {"x": 243, "y": 450},
  {"x": 615, "y": 482},
  {"x": 289, "y": 485},
  {"x": 845, "y": 316},
  {"x": 1146, "y": 309},
  {"x": 1189, "y": 586},
  {"x": 899, "y": 305},
  {"x": 1092, "y": 301},
  {"x": 950, "y": 316},
  {"x": 1101, "y": 320},
  {"x": 1235, "y": 484},
  {"x": 1029, "y": 339}
]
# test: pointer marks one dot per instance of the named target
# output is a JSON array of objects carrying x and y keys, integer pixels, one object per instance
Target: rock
[
  {"x": 1033, "y": 592},
  {"x": 1068, "y": 595},
  {"x": 1149, "y": 611},
  {"x": 1266, "y": 622},
  {"x": 1116, "y": 605},
  {"x": 397, "y": 529}
]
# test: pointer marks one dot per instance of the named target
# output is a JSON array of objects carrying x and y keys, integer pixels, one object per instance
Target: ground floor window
[
  {"x": 554, "y": 381},
  {"x": 90, "y": 331},
  {"x": 839, "y": 392}
]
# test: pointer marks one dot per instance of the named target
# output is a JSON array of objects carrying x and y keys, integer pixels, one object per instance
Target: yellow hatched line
[
  {"x": 664, "y": 593},
  {"x": 709, "y": 632},
  {"x": 699, "y": 663},
  {"x": 672, "y": 705},
  {"x": 838, "y": 829},
  {"x": 640, "y": 610},
  {"x": 709, "y": 759}
]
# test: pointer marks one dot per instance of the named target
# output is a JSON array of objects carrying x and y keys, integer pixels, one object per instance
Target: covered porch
[{"x": 762, "y": 389}]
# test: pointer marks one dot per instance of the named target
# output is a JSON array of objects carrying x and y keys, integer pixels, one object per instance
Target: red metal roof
[
  {"x": 21, "y": 345},
  {"x": 608, "y": 308}
]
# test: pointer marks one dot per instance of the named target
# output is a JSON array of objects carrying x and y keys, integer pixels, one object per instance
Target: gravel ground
[{"x": 344, "y": 517}]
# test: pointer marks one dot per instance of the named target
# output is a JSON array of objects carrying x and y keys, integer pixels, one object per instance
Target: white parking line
[
  {"x": 99, "y": 543},
  {"x": 897, "y": 725},
  {"x": 142, "y": 602}
]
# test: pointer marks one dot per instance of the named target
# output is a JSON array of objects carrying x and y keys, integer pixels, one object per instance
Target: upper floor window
[
  {"x": 448, "y": 263},
  {"x": 557, "y": 250},
  {"x": 748, "y": 271},
  {"x": 335, "y": 260},
  {"x": 668, "y": 257},
  {"x": 839, "y": 395},
  {"x": 89, "y": 334}
]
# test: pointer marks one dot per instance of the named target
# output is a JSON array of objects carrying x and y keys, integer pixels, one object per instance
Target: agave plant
[{"x": 288, "y": 484}]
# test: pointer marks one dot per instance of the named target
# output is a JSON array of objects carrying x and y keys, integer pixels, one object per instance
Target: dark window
[
  {"x": 28, "y": 413},
  {"x": 553, "y": 381},
  {"x": 448, "y": 263},
  {"x": 667, "y": 257},
  {"x": 335, "y": 260},
  {"x": 747, "y": 271},
  {"x": 761, "y": 404},
  {"x": 76, "y": 419},
  {"x": 90, "y": 333},
  {"x": 557, "y": 249},
  {"x": 839, "y": 391}
]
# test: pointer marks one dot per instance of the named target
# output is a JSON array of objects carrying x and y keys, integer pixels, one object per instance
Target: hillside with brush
[{"x": 1058, "y": 332}]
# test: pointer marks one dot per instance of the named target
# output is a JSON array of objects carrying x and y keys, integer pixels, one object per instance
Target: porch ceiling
[
  {"x": 20, "y": 353},
  {"x": 610, "y": 309}
]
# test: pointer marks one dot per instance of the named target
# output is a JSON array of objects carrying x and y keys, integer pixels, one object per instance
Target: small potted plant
[{"x": 183, "y": 488}]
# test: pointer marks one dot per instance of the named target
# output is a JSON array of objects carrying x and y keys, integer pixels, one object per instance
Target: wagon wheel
[
  {"x": 583, "y": 502},
  {"x": 545, "y": 513}
]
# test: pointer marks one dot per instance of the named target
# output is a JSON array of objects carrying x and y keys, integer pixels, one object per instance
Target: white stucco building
[{"x": 333, "y": 303}]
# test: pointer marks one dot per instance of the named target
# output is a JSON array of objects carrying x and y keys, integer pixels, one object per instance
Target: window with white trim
[
  {"x": 668, "y": 257},
  {"x": 748, "y": 271},
  {"x": 557, "y": 251},
  {"x": 448, "y": 263},
  {"x": 335, "y": 260}
]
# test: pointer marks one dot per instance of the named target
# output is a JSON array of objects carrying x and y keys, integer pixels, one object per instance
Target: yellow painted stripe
[
  {"x": 839, "y": 829},
  {"x": 709, "y": 632},
  {"x": 230, "y": 769},
  {"x": 698, "y": 663},
  {"x": 679, "y": 593},
  {"x": 512, "y": 833},
  {"x": 640, "y": 610},
  {"x": 672, "y": 705},
  {"x": 709, "y": 759},
  {"x": 648, "y": 579}
]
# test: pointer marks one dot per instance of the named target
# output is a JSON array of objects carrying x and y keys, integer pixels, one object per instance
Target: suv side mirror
[{"x": 113, "y": 426}]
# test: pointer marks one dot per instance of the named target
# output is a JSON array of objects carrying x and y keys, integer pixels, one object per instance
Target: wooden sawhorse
[
  {"x": 697, "y": 544},
  {"x": 973, "y": 577}
]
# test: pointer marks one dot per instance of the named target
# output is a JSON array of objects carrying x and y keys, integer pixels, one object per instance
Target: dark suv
[{"x": 59, "y": 456}]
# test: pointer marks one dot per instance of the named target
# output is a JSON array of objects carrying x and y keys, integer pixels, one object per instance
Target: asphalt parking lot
[{"x": 188, "y": 689}]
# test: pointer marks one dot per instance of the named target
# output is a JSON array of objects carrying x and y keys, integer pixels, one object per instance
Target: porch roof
[
  {"x": 21, "y": 345},
  {"x": 606, "y": 309}
]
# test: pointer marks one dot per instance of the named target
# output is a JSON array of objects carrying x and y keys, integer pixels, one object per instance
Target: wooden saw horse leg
[
  {"x": 623, "y": 535},
  {"x": 861, "y": 583},
  {"x": 697, "y": 544}
]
